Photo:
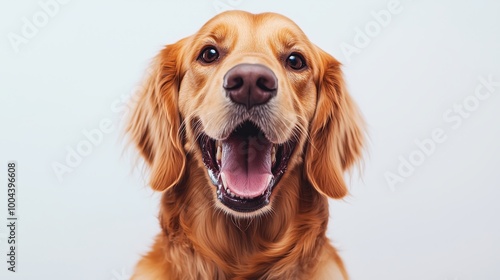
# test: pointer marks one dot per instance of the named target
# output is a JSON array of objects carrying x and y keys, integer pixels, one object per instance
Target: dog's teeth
[
  {"x": 219, "y": 153},
  {"x": 269, "y": 180},
  {"x": 231, "y": 194},
  {"x": 228, "y": 191},
  {"x": 273, "y": 155},
  {"x": 223, "y": 178}
]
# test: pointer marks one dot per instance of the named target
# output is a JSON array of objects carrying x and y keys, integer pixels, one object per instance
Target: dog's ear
[
  {"x": 336, "y": 132},
  {"x": 155, "y": 121}
]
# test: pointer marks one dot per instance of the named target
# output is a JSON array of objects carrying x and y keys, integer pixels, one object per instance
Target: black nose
[{"x": 250, "y": 84}]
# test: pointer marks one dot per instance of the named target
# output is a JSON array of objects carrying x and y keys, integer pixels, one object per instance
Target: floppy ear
[
  {"x": 155, "y": 122},
  {"x": 335, "y": 133}
]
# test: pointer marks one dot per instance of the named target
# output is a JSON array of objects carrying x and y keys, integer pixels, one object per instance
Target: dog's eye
[
  {"x": 209, "y": 55},
  {"x": 296, "y": 61}
]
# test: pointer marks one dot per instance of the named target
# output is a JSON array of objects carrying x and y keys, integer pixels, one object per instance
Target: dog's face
[
  {"x": 247, "y": 95},
  {"x": 251, "y": 98}
]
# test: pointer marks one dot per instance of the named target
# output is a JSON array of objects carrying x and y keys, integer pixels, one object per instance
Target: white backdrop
[{"x": 427, "y": 80}]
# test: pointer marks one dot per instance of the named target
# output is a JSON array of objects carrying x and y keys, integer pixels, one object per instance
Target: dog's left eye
[
  {"x": 209, "y": 55},
  {"x": 296, "y": 61}
]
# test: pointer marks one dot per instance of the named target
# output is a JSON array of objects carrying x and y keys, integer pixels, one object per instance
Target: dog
[{"x": 246, "y": 128}]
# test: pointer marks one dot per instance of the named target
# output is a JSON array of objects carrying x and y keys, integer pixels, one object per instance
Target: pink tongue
[{"x": 246, "y": 165}]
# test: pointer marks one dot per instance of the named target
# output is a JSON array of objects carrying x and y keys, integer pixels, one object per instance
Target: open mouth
[{"x": 245, "y": 167}]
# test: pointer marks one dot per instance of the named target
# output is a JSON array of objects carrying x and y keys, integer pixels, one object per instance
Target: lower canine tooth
[
  {"x": 223, "y": 178},
  {"x": 273, "y": 155},
  {"x": 219, "y": 153},
  {"x": 268, "y": 182}
]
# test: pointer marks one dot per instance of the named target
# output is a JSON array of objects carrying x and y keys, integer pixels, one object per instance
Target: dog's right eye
[
  {"x": 296, "y": 61},
  {"x": 209, "y": 55}
]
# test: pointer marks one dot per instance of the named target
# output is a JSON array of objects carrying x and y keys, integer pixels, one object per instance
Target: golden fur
[{"x": 202, "y": 239}]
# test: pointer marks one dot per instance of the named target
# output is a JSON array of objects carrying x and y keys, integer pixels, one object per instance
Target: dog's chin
[{"x": 245, "y": 168}]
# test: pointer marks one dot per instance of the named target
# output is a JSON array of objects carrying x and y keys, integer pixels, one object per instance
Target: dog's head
[{"x": 250, "y": 97}]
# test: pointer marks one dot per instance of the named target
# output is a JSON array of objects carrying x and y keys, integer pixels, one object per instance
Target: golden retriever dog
[{"x": 246, "y": 128}]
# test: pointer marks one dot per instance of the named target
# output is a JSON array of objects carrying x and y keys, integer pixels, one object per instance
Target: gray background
[{"x": 82, "y": 65}]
